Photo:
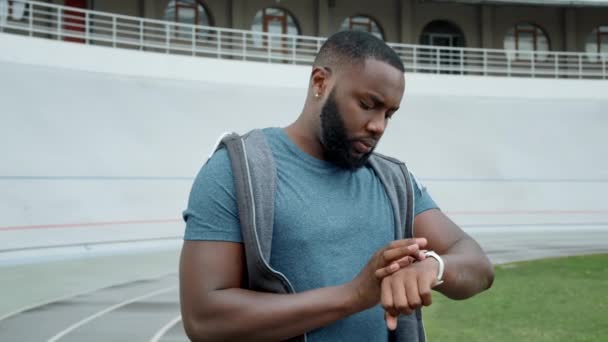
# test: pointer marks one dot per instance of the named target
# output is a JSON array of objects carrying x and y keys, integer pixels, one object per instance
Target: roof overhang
[{"x": 572, "y": 3}]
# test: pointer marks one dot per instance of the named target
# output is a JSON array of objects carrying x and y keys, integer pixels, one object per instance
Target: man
[{"x": 333, "y": 222}]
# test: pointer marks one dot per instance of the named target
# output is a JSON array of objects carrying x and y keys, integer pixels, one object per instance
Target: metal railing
[{"x": 58, "y": 22}]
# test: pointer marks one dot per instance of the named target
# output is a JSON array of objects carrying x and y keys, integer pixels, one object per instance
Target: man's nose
[{"x": 377, "y": 124}]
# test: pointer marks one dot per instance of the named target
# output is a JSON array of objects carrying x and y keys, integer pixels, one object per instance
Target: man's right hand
[{"x": 386, "y": 261}]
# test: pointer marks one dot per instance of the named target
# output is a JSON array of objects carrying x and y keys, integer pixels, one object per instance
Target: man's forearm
[
  {"x": 239, "y": 314},
  {"x": 468, "y": 270}
]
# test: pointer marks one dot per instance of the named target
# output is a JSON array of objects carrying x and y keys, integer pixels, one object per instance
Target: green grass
[{"x": 563, "y": 299}]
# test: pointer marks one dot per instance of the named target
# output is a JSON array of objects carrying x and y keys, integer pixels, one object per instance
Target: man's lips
[{"x": 364, "y": 145}]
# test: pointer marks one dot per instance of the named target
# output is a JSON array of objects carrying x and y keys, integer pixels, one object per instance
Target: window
[
  {"x": 362, "y": 23},
  {"x": 274, "y": 20},
  {"x": 186, "y": 12},
  {"x": 442, "y": 33},
  {"x": 526, "y": 37},
  {"x": 597, "y": 42}
]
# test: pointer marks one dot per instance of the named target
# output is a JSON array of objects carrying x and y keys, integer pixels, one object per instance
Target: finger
[
  {"x": 400, "y": 300},
  {"x": 421, "y": 242},
  {"x": 413, "y": 294},
  {"x": 386, "y": 295},
  {"x": 386, "y": 271},
  {"x": 421, "y": 255},
  {"x": 424, "y": 288},
  {"x": 391, "y": 321},
  {"x": 405, "y": 261},
  {"x": 393, "y": 254},
  {"x": 394, "y": 267}
]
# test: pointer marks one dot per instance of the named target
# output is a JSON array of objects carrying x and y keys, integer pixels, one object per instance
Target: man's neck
[{"x": 304, "y": 135}]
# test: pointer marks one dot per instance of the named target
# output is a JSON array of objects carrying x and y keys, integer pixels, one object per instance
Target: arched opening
[
  {"x": 442, "y": 33},
  {"x": 362, "y": 23},
  {"x": 276, "y": 21},
  {"x": 523, "y": 41},
  {"x": 597, "y": 43},
  {"x": 192, "y": 12}
]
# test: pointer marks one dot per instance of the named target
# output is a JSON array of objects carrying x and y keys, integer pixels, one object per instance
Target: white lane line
[
  {"x": 105, "y": 311},
  {"x": 77, "y": 294},
  {"x": 159, "y": 334}
]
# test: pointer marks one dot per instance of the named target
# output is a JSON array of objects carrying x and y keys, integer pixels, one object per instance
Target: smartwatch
[{"x": 436, "y": 256}]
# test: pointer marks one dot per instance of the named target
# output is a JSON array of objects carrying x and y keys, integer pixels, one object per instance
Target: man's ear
[{"x": 319, "y": 78}]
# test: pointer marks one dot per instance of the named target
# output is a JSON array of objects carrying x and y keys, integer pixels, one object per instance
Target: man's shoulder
[
  {"x": 384, "y": 159},
  {"x": 264, "y": 138},
  {"x": 390, "y": 167},
  {"x": 267, "y": 131},
  {"x": 218, "y": 164}
]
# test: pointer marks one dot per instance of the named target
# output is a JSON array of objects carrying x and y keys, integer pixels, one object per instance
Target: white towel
[
  {"x": 3, "y": 12},
  {"x": 18, "y": 9}
]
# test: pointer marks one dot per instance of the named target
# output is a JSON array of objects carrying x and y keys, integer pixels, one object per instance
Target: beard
[{"x": 337, "y": 145}]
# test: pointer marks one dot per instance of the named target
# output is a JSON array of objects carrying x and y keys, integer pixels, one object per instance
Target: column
[
  {"x": 407, "y": 11},
  {"x": 237, "y": 15},
  {"x": 486, "y": 24},
  {"x": 570, "y": 41},
  {"x": 322, "y": 18}
]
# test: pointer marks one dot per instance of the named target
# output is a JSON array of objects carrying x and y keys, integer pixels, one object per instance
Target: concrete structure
[
  {"x": 95, "y": 153},
  {"x": 98, "y": 153},
  {"x": 567, "y": 24}
]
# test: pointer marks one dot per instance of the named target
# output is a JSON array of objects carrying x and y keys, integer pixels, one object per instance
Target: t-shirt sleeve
[
  {"x": 422, "y": 199},
  {"x": 212, "y": 212}
]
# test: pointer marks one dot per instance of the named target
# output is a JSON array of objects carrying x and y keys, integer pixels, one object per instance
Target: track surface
[{"x": 148, "y": 310}]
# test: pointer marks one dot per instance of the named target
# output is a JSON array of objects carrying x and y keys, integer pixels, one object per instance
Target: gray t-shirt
[{"x": 328, "y": 222}]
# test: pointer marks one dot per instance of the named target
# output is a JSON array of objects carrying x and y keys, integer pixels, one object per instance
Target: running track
[{"x": 148, "y": 309}]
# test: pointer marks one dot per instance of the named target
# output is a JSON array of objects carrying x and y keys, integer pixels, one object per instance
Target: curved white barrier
[{"x": 101, "y": 145}]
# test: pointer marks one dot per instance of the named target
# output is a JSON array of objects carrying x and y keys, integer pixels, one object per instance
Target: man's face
[{"x": 356, "y": 112}]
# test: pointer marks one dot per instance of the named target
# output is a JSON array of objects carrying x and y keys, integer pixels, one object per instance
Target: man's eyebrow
[{"x": 378, "y": 102}]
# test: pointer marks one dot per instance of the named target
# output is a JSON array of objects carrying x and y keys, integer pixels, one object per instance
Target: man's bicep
[
  {"x": 212, "y": 212},
  {"x": 207, "y": 266},
  {"x": 212, "y": 265},
  {"x": 440, "y": 232}
]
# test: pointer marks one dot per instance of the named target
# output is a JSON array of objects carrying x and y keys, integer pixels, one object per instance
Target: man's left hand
[{"x": 408, "y": 289}]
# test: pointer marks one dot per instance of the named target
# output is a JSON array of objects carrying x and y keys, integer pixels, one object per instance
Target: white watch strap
[{"x": 436, "y": 256}]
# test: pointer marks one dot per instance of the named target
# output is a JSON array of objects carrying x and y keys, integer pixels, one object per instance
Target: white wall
[{"x": 109, "y": 140}]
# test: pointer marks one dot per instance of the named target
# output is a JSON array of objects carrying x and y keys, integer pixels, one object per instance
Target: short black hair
[{"x": 353, "y": 48}]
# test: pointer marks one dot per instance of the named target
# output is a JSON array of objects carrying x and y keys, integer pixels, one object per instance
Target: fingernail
[{"x": 394, "y": 267}]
